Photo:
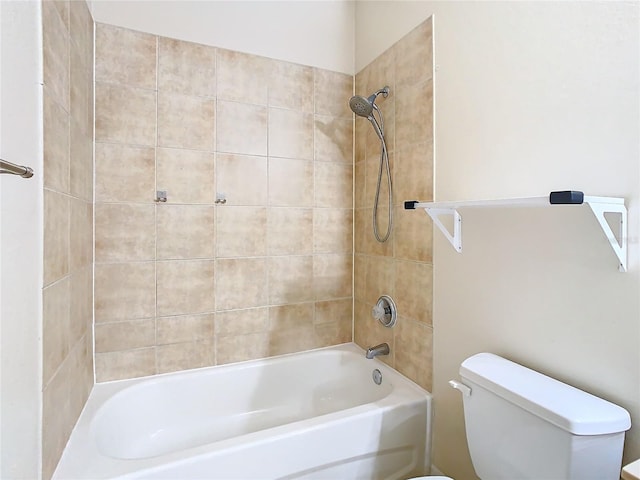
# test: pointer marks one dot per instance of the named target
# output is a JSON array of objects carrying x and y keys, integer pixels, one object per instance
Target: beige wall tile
[
  {"x": 290, "y": 182},
  {"x": 183, "y": 356},
  {"x": 242, "y": 322},
  {"x": 359, "y": 277},
  {"x": 56, "y": 236},
  {"x": 238, "y": 348},
  {"x": 290, "y": 279},
  {"x": 62, "y": 402},
  {"x": 380, "y": 279},
  {"x": 359, "y": 194},
  {"x": 81, "y": 31},
  {"x": 251, "y": 139},
  {"x": 332, "y": 230},
  {"x": 81, "y": 304},
  {"x": 333, "y": 333},
  {"x": 185, "y": 67},
  {"x": 241, "y": 231},
  {"x": 293, "y": 340},
  {"x": 126, "y": 364},
  {"x": 56, "y": 421},
  {"x": 333, "y": 139},
  {"x": 332, "y": 92},
  {"x": 187, "y": 176},
  {"x": 414, "y": 120},
  {"x": 125, "y": 56},
  {"x": 55, "y": 61},
  {"x": 290, "y": 231},
  {"x": 332, "y": 276},
  {"x": 56, "y": 334},
  {"x": 56, "y": 145},
  {"x": 414, "y": 56},
  {"x": 113, "y": 337},
  {"x": 333, "y": 322},
  {"x": 81, "y": 234},
  {"x": 80, "y": 163},
  {"x": 185, "y": 231},
  {"x": 288, "y": 317},
  {"x": 291, "y": 86},
  {"x": 413, "y": 236},
  {"x": 125, "y": 232},
  {"x": 125, "y": 173},
  {"x": 242, "y": 77},
  {"x": 242, "y": 178},
  {"x": 80, "y": 90},
  {"x": 81, "y": 366},
  {"x": 184, "y": 328},
  {"x": 125, "y": 114},
  {"x": 241, "y": 283},
  {"x": 186, "y": 121},
  {"x": 334, "y": 185},
  {"x": 414, "y": 290},
  {"x": 413, "y": 173},
  {"x": 124, "y": 291},
  {"x": 361, "y": 222},
  {"x": 334, "y": 311},
  {"x": 360, "y": 140},
  {"x": 290, "y": 134},
  {"x": 185, "y": 287},
  {"x": 413, "y": 351}
]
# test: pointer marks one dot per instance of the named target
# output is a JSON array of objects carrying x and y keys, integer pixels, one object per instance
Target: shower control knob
[{"x": 385, "y": 311}]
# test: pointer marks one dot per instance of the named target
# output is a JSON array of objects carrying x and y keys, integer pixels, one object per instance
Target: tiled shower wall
[
  {"x": 68, "y": 222},
  {"x": 402, "y": 266},
  {"x": 191, "y": 283}
]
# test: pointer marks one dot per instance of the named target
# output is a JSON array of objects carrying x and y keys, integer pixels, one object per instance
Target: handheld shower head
[{"x": 362, "y": 106}]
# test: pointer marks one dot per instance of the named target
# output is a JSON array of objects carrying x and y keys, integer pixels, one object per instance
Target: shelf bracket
[
  {"x": 455, "y": 237},
  {"x": 618, "y": 242}
]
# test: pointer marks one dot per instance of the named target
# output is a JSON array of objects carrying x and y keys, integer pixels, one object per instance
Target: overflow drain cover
[{"x": 377, "y": 376}]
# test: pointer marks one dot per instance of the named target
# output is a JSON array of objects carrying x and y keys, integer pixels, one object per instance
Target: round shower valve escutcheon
[{"x": 385, "y": 311}]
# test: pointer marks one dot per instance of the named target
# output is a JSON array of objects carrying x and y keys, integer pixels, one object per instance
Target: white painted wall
[
  {"x": 20, "y": 241},
  {"x": 530, "y": 97},
  {"x": 315, "y": 33}
]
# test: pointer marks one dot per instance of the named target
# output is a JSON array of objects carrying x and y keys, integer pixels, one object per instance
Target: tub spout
[{"x": 382, "y": 349}]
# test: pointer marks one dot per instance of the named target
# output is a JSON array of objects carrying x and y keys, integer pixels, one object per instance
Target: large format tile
[
  {"x": 185, "y": 67},
  {"x": 125, "y": 291},
  {"x": 125, "y": 114},
  {"x": 125, "y": 56},
  {"x": 186, "y": 121}
]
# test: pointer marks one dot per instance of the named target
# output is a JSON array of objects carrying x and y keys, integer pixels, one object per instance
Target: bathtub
[{"x": 310, "y": 415}]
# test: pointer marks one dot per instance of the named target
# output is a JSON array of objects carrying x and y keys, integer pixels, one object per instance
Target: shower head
[{"x": 362, "y": 106}]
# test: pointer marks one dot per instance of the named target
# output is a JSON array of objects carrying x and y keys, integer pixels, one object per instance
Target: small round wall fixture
[{"x": 385, "y": 311}]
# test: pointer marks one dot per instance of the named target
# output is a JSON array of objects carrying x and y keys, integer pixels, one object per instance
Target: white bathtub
[{"x": 311, "y": 415}]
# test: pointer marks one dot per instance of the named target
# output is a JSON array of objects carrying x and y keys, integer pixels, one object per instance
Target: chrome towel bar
[{"x": 8, "y": 167}]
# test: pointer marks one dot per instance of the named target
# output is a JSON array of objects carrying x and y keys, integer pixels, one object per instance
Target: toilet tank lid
[{"x": 567, "y": 407}]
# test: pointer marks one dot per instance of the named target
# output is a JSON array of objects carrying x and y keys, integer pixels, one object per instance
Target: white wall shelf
[{"x": 600, "y": 206}]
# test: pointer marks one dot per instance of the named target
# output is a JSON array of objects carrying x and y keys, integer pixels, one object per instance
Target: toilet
[{"x": 522, "y": 424}]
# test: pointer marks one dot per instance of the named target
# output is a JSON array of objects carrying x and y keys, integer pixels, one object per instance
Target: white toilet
[{"x": 522, "y": 424}]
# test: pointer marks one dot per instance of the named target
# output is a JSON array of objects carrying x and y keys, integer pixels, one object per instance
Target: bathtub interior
[{"x": 174, "y": 413}]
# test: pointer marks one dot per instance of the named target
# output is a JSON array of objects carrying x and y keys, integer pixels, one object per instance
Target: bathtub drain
[{"x": 377, "y": 376}]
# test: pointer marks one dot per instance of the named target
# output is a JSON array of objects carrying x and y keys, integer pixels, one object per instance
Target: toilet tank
[{"x": 523, "y": 425}]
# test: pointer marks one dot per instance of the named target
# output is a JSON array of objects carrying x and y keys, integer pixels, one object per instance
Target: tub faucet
[{"x": 382, "y": 349}]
